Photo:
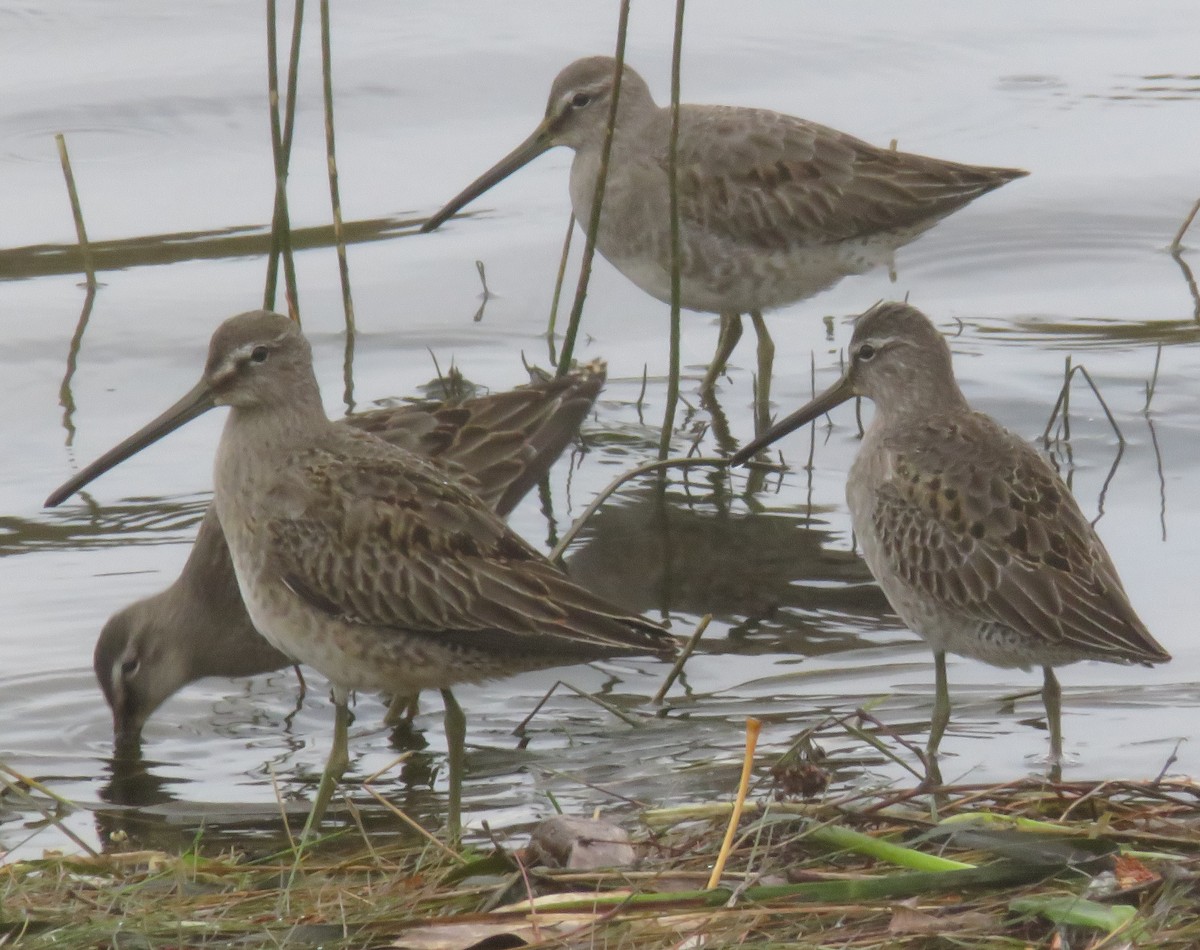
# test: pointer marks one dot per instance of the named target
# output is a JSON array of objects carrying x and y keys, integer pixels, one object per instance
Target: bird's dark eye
[
  {"x": 579, "y": 100},
  {"x": 130, "y": 667},
  {"x": 259, "y": 354},
  {"x": 865, "y": 352}
]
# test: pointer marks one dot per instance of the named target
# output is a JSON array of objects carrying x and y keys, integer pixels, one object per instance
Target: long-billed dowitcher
[
  {"x": 364, "y": 560},
  {"x": 772, "y": 208},
  {"x": 499, "y": 445},
  {"x": 977, "y": 543}
]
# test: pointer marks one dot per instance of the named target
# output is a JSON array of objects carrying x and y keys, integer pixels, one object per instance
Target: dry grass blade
[
  {"x": 85, "y": 248},
  {"x": 753, "y": 727}
]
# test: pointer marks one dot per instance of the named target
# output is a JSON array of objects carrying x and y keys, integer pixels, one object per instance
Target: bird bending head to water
[
  {"x": 361, "y": 559},
  {"x": 977, "y": 543},
  {"x": 498, "y": 445},
  {"x": 772, "y": 208}
]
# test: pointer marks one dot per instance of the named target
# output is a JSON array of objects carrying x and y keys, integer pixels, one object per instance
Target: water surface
[{"x": 164, "y": 111}]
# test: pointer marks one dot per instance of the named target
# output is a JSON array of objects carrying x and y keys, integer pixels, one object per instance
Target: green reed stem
[
  {"x": 281, "y": 152},
  {"x": 335, "y": 200},
  {"x": 668, "y": 426},
  {"x": 1177, "y": 242},
  {"x": 688, "y": 649},
  {"x": 849, "y": 891},
  {"x": 558, "y": 284},
  {"x": 589, "y": 248}
]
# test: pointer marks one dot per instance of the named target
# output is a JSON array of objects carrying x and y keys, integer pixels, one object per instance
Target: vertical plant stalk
[
  {"x": 281, "y": 152},
  {"x": 276, "y": 148},
  {"x": 753, "y": 727},
  {"x": 668, "y": 426},
  {"x": 1177, "y": 243},
  {"x": 85, "y": 249},
  {"x": 335, "y": 201},
  {"x": 688, "y": 649},
  {"x": 589, "y": 248},
  {"x": 558, "y": 284}
]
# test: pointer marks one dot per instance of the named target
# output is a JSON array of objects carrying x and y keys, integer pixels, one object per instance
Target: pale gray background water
[{"x": 164, "y": 110}]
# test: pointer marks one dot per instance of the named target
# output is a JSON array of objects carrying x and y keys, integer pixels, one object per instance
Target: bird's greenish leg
[
  {"x": 727, "y": 339},
  {"x": 335, "y": 766},
  {"x": 1052, "y": 698},
  {"x": 766, "y": 365},
  {"x": 939, "y": 720},
  {"x": 456, "y": 745}
]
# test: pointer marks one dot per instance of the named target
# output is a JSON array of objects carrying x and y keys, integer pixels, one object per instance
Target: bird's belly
[
  {"x": 722, "y": 269},
  {"x": 361, "y": 656},
  {"x": 722, "y": 276}
]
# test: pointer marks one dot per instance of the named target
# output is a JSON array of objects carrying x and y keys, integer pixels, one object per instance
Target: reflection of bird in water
[
  {"x": 772, "y": 208},
  {"x": 142, "y": 810},
  {"x": 697, "y": 559},
  {"x": 499, "y": 445},
  {"x": 363, "y": 560},
  {"x": 978, "y": 544}
]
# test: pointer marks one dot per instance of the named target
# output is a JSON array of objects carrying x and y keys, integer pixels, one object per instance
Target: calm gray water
[{"x": 165, "y": 115}]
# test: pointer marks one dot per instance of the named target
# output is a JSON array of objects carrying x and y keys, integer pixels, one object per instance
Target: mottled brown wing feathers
[
  {"x": 499, "y": 445},
  {"x": 396, "y": 544},
  {"x": 976, "y": 521},
  {"x": 780, "y": 181}
]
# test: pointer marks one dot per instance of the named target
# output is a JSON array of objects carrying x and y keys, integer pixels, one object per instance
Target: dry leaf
[
  {"x": 492, "y": 934},
  {"x": 1131, "y": 872}
]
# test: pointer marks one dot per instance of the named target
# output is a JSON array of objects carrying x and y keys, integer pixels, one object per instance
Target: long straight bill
[
  {"x": 198, "y": 401},
  {"x": 519, "y": 157},
  {"x": 835, "y": 395}
]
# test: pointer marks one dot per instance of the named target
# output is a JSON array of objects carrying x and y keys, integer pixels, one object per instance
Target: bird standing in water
[
  {"x": 499, "y": 445},
  {"x": 365, "y": 561},
  {"x": 978, "y": 544},
  {"x": 772, "y": 208}
]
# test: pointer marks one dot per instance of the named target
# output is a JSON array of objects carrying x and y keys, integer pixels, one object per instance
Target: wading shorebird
[
  {"x": 499, "y": 445},
  {"x": 978, "y": 544},
  {"x": 366, "y": 561},
  {"x": 772, "y": 208}
]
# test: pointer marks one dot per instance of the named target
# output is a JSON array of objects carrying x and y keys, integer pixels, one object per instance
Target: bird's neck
[
  {"x": 257, "y": 442},
  {"x": 279, "y": 426},
  {"x": 910, "y": 395}
]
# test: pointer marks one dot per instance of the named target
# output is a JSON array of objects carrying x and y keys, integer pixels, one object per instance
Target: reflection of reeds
[
  {"x": 1151, "y": 388},
  {"x": 66, "y": 398},
  {"x": 656, "y": 467},
  {"x": 248, "y": 240},
  {"x": 1176, "y": 250}
]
